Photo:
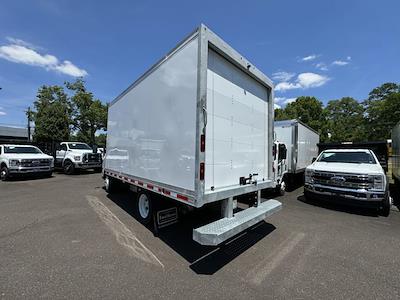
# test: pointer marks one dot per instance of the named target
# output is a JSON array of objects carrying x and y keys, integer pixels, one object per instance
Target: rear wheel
[
  {"x": 4, "y": 174},
  {"x": 144, "y": 207},
  {"x": 69, "y": 167}
]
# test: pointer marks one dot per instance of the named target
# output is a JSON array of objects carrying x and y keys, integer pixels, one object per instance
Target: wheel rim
[
  {"x": 107, "y": 183},
  {"x": 144, "y": 206},
  {"x": 3, "y": 174},
  {"x": 283, "y": 186},
  {"x": 67, "y": 167}
]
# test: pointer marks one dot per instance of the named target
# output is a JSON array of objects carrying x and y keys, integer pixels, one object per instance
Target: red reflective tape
[
  {"x": 140, "y": 183},
  {"x": 160, "y": 190},
  {"x": 202, "y": 167},
  {"x": 182, "y": 197},
  {"x": 149, "y": 186},
  {"x": 166, "y": 192},
  {"x": 203, "y": 143}
]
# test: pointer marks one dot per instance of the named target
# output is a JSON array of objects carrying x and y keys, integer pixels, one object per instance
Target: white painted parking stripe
[{"x": 122, "y": 233}]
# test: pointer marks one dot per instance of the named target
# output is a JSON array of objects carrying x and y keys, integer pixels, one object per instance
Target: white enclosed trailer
[
  {"x": 196, "y": 128},
  {"x": 302, "y": 146},
  {"x": 396, "y": 155}
]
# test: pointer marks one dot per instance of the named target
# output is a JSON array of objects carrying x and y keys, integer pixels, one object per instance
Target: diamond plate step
[{"x": 216, "y": 232}]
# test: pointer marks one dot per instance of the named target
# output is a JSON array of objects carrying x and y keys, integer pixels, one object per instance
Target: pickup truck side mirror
[{"x": 313, "y": 159}]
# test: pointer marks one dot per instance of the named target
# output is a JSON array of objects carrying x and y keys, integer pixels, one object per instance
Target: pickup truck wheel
[
  {"x": 385, "y": 209},
  {"x": 69, "y": 167},
  {"x": 4, "y": 174},
  {"x": 144, "y": 208}
]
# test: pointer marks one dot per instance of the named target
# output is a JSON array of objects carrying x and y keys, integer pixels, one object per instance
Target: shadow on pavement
[
  {"x": 338, "y": 205},
  {"x": 203, "y": 259}
]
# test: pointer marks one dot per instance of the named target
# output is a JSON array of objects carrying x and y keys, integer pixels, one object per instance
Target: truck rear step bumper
[{"x": 216, "y": 232}]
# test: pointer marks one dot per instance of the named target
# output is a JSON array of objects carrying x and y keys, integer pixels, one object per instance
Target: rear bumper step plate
[{"x": 216, "y": 232}]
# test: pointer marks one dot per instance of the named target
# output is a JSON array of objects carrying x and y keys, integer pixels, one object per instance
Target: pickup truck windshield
[
  {"x": 79, "y": 146},
  {"x": 347, "y": 157},
  {"x": 21, "y": 150}
]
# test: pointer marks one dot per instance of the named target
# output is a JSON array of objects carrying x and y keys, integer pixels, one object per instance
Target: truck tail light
[
  {"x": 202, "y": 171},
  {"x": 203, "y": 143}
]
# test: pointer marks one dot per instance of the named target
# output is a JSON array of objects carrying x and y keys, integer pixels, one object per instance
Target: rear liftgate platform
[{"x": 219, "y": 231}]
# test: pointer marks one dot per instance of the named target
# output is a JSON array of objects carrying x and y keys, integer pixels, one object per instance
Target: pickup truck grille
[
  {"x": 35, "y": 162},
  {"x": 352, "y": 181},
  {"x": 91, "y": 158}
]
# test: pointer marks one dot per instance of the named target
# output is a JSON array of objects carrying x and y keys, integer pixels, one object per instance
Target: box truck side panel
[
  {"x": 152, "y": 127},
  {"x": 237, "y": 125},
  {"x": 396, "y": 152},
  {"x": 284, "y": 134},
  {"x": 307, "y": 146}
]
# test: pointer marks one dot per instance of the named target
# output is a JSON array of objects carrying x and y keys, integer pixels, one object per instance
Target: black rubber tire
[
  {"x": 112, "y": 184},
  {"x": 98, "y": 170},
  {"x": 279, "y": 190},
  {"x": 48, "y": 174},
  {"x": 4, "y": 173},
  {"x": 68, "y": 167},
  {"x": 385, "y": 209},
  {"x": 144, "y": 220}
]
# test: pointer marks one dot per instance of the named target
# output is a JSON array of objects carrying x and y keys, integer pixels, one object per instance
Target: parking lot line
[
  {"x": 124, "y": 236},
  {"x": 258, "y": 274}
]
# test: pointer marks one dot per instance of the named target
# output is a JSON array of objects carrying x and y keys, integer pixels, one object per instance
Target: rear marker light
[
  {"x": 203, "y": 143},
  {"x": 202, "y": 171}
]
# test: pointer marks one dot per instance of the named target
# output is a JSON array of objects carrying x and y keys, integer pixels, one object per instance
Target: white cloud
[
  {"x": 276, "y": 106},
  {"x": 309, "y": 80},
  {"x": 309, "y": 57},
  {"x": 23, "y": 53},
  {"x": 321, "y": 66},
  {"x": 2, "y": 113},
  {"x": 70, "y": 69},
  {"x": 303, "y": 81},
  {"x": 283, "y": 76},
  {"x": 289, "y": 100},
  {"x": 340, "y": 63},
  {"x": 284, "y": 86},
  {"x": 279, "y": 99},
  {"x": 348, "y": 57},
  {"x": 19, "y": 42}
]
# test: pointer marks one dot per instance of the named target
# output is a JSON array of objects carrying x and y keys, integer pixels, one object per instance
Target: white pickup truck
[
  {"x": 352, "y": 175},
  {"x": 24, "y": 160},
  {"x": 71, "y": 156}
]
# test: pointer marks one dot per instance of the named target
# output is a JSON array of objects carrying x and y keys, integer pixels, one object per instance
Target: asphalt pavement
[{"x": 64, "y": 237}]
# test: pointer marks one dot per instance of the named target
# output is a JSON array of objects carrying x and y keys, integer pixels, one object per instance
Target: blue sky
[{"x": 327, "y": 49}]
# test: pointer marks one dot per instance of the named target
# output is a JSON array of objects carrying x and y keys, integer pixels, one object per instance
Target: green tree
[
  {"x": 308, "y": 110},
  {"x": 345, "y": 120},
  {"x": 52, "y": 114},
  {"x": 382, "y": 111},
  {"x": 90, "y": 115}
]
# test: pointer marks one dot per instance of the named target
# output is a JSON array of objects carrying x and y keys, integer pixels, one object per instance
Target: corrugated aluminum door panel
[
  {"x": 236, "y": 134},
  {"x": 152, "y": 128}
]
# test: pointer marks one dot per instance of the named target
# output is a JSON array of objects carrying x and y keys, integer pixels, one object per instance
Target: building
[{"x": 12, "y": 134}]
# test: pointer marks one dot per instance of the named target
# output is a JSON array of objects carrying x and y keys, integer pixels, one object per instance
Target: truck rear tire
[
  {"x": 69, "y": 167},
  {"x": 385, "y": 209},
  {"x": 144, "y": 208},
  {"x": 4, "y": 174}
]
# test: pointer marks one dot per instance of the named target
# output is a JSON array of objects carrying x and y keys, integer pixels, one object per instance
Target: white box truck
[
  {"x": 396, "y": 155},
  {"x": 301, "y": 143},
  {"x": 196, "y": 128}
]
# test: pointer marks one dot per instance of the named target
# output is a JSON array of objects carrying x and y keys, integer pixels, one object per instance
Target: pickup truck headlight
[
  {"x": 77, "y": 158},
  {"x": 308, "y": 176},
  {"x": 14, "y": 163},
  {"x": 378, "y": 182}
]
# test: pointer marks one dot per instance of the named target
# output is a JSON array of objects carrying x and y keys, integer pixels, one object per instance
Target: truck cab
[
  {"x": 280, "y": 166},
  {"x": 24, "y": 160},
  {"x": 72, "y": 156}
]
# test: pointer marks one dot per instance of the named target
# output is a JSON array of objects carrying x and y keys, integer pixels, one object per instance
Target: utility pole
[{"x": 29, "y": 124}]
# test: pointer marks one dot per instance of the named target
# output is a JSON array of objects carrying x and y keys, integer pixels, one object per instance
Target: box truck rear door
[{"x": 236, "y": 134}]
